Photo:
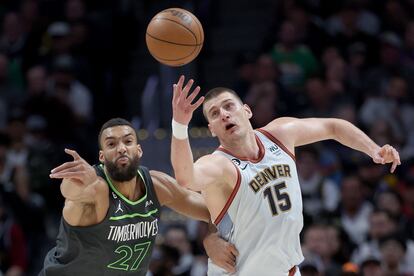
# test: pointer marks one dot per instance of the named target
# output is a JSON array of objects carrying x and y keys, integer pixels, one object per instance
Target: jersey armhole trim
[
  {"x": 230, "y": 199},
  {"x": 275, "y": 140}
]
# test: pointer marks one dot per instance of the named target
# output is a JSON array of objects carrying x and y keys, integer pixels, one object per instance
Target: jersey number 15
[{"x": 277, "y": 198}]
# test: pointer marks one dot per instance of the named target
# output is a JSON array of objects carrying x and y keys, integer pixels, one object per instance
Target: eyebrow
[
  {"x": 113, "y": 137},
  {"x": 223, "y": 102}
]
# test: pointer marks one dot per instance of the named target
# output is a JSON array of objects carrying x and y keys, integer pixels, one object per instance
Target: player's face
[
  {"x": 120, "y": 152},
  {"x": 227, "y": 116}
]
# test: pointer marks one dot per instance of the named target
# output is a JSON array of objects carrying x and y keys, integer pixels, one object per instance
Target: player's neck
[
  {"x": 131, "y": 189},
  {"x": 245, "y": 147}
]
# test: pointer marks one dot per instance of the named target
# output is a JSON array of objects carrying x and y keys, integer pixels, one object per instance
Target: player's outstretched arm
[
  {"x": 181, "y": 200},
  {"x": 181, "y": 155},
  {"x": 81, "y": 188},
  {"x": 296, "y": 132}
]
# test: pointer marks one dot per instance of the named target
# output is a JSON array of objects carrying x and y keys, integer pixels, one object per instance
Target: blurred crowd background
[{"x": 66, "y": 66}]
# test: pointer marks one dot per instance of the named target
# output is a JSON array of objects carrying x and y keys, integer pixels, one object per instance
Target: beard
[{"x": 122, "y": 173}]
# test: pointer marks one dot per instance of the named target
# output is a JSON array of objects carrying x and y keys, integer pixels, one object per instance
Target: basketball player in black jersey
[{"x": 112, "y": 210}]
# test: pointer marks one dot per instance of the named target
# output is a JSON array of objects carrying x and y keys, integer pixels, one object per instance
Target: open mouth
[{"x": 230, "y": 126}]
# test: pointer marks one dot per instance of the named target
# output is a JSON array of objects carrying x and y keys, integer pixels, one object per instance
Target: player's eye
[{"x": 228, "y": 106}]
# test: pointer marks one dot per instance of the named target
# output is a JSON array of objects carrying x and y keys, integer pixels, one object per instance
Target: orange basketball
[{"x": 174, "y": 37}]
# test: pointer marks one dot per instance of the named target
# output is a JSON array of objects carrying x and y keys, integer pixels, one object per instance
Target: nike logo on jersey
[
  {"x": 114, "y": 195},
  {"x": 238, "y": 163},
  {"x": 148, "y": 203}
]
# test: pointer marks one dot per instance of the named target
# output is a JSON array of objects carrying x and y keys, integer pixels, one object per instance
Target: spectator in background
[
  {"x": 407, "y": 191},
  {"x": 356, "y": 71},
  {"x": 263, "y": 99},
  {"x": 320, "y": 195},
  {"x": 381, "y": 224},
  {"x": 13, "y": 44},
  {"x": 64, "y": 85},
  {"x": 295, "y": 61},
  {"x": 354, "y": 210},
  {"x": 13, "y": 248},
  {"x": 177, "y": 238},
  {"x": 163, "y": 261},
  {"x": 319, "y": 99},
  {"x": 395, "y": 16},
  {"x": 393, "y": 250},
  {"x": 10, "y": 94},
  {"x": 371, "y": 266},
  {"x": 317, "y": 246},
  {"x": 59, "y": 42},
  {"x": 75, "y": 10},
  {"x": 408, "y": 51},
  {"x": 395, "y": 108},
  {"x": 391, "y": 65},
  {"x": 54, "y": 111},
  {"x": 245, "y": 67}
]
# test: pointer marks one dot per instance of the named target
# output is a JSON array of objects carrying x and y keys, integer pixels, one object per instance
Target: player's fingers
[
  {"x": 377, "y": 159},
  {"x": 197, "y": 103},
  {"x": 73, "y": 153},
  {"x": 396, "y": 160},
  {"x": 226, "y": 265},
  {"x": 233, "y": 250},
  {"x": 230, "y": 266},
  {"x": 180, "y": 82},
  {"x": 65, "y": 166},
  {"x": 174, "y": 99},
  {"x": 76, "y": 175},
  {"x": 77, "y": 168},
  {"x": 186, "y": 89},
  {"x": 193, "y": 95}
]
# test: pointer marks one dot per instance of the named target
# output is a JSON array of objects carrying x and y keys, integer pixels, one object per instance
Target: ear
[
  {"x": 101, "y": 156},
  {"x": 248, "y": 111},
  {"x": 212, "y": 132},
  {"x": 139, "y": 149}
]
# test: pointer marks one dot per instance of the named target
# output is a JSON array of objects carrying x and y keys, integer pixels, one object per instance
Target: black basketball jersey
[{"x": 119, "y": 245}]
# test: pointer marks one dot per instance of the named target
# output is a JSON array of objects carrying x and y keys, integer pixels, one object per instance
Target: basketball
[{"x": 174, "y": 37}]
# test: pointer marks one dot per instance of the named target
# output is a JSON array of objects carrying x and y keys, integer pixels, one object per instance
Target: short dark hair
[
  {"x": 114, "y": 122},
  {"x": 213, "y": 93}
]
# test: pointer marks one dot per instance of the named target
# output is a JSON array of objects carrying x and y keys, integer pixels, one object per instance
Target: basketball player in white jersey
[{"x": 250, "y": 183}]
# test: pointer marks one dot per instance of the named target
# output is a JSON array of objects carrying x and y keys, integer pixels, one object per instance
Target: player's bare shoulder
[
  {"x": 216, "y": 169},
  {"x": 283, "y": 129}
]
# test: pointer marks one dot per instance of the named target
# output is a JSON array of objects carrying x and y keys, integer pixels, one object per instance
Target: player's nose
[
  {"x": 225, "y": 115},
  {"x": 121, "y": 148}
]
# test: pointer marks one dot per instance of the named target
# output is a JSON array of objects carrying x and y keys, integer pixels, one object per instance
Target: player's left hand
[
  {"x": 387, "y": 154},
  {"x": 221, "y": 252},
  {"x": 182, "y": 105}
]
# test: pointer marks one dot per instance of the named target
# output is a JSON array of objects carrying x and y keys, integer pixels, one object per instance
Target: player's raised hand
[
  {"x": 221, "y": 252},
  {"x": 182, "y": 105},
  {"x": 77, "y": 170},
  {"x": 387, "y": 154}
]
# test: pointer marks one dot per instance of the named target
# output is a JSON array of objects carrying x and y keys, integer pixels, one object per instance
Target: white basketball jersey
[{"x": 263, "y": 216}]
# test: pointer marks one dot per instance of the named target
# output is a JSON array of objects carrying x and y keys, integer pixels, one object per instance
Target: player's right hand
[
  {"x": 77, "y": 170},
  {"x": 182, "y": 105},
  {"x": 221, "y": 252}
]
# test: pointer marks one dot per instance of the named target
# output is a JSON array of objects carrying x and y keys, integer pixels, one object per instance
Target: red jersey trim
[
  {"x": 275, "y": 140},
  {"x": 230, "y": 199},
  {"x": 258, "y": 159}
]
